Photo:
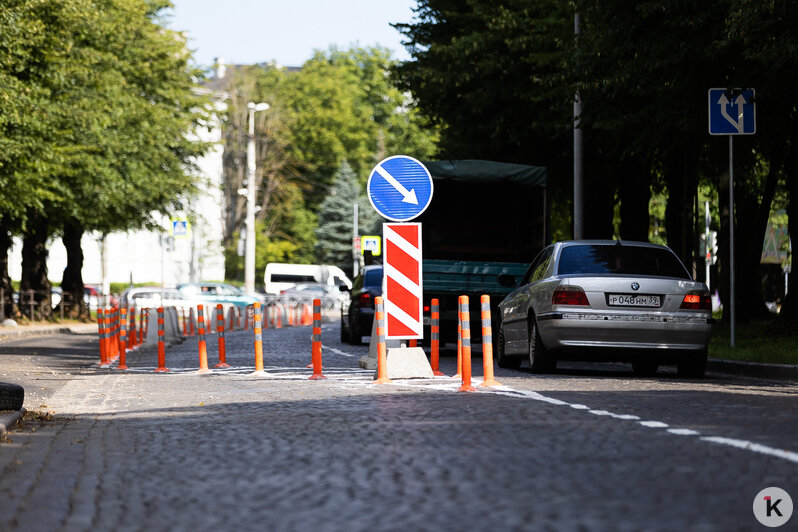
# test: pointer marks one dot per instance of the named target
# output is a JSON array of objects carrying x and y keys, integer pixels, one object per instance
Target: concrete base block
[
  {"x": 408, "y": 363},
  {"x": 370, "y": 361}
]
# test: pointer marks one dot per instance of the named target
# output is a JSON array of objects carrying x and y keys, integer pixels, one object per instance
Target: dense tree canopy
[
  {"x": 98, "y": 101},
  {"x": 500, "y": 78}
]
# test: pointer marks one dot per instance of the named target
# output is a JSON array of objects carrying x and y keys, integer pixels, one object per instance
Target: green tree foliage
[
  {"x": 340, "y": 106},
  {"x": 100, "y": 138},
  {"x": 334, "y": 233},
  {"x": 499, "y": 78}
]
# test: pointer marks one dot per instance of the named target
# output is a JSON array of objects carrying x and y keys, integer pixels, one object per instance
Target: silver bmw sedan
[{"x": 606, "y": 300}]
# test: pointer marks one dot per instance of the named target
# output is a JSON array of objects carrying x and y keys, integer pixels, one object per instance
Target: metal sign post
[{"x": 731, "y": 112}]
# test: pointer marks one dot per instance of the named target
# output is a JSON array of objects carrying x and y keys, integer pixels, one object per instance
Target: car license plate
[
  {"x": 427, "y": 320},
  {"x": 633, "y": 300}
]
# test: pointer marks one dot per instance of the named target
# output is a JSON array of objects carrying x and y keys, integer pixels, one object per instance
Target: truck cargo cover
[{"x": 479, "y": 171}]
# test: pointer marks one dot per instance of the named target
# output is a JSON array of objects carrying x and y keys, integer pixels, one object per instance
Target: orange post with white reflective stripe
[
  {"x": 132, "y": 337},
  {"x": 220, "y": 330},
  {"x": 101, "y": 332},
  {"x": 161, "y": 346},
  {"x": 487, "y": 344},
  {"x": 435, "y": 337},
  {"x": 258, "y": 329},
  {"x": 316, "y": 353},
  {"x": 122, "y": 339},
  {"x": 459, "y": 373},
  {"x": 382, "y": 352},
  {"x": 465, "y": 330},
  {"x": 203, "y": 348}
]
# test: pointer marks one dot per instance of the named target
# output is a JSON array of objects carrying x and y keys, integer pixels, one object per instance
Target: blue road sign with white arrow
[
  {"x": 400, "y": 188},
  {"x": 732, "y": 112}
]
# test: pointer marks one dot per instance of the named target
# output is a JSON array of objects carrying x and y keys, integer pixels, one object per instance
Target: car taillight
[
  {"x": 569, "y": 295},
  {"x": 426, "y": 308},
  {"x": 365, "y": 301},
  {"x": 697, "y": 301}
]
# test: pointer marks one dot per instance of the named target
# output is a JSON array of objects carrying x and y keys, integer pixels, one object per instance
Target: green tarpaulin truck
[{"x": 485, "y": 218}]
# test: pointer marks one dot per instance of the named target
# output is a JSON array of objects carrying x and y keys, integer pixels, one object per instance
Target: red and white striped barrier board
[{"x": 403, "y": 284}]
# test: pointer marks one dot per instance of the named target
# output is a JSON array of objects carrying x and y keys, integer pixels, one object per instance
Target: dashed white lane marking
[
  {"x": 684, "y": 432},
  {"x": 755, "y": 447},
  {"x": 336, "y": 351},
  {"x": 654, "y": 424},
  {"x": 739, "y": 444}
]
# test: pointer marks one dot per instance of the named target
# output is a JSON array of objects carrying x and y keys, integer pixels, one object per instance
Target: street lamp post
[{"x": 252, "y": 189}]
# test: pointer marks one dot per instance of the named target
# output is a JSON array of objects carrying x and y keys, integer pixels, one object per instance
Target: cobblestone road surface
[{"x": 588, "y": 448}]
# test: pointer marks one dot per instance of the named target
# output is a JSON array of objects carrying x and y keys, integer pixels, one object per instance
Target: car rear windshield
[
  {"x": 620, "y": 259},
  {"x": 373, "y": 277}
]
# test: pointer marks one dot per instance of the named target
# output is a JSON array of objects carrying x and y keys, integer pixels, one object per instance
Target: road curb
[
  {"x": 753, "y": 369},
  {"x": 7, "y": 421},
  {"x": 23, "y": 332}
]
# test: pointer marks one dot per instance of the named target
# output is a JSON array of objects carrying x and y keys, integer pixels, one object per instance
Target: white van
[{"x": 279, "y": 276}]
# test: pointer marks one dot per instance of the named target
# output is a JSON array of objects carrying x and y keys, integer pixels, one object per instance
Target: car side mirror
[{"x": 505, "y": 279}]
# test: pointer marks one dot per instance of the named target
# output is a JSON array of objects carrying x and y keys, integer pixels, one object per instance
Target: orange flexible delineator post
[
  {"x": 459, "y": 373},
  {"x": 161, "y": 346},
  {"x": 185, "y": 325},
  {"x": 465, "y": 328},
  {"x": 113, "y": 337},
  {"x": 145, "y": 324},
  {"x": 382, "y": 352},
  {"x": 316, "y": 349},
  {"x": 101, "y": 330},
  {"x": 435, "y": 338},
  {"x": 258, "y": 341},
  {"x": 220, "y": 329},
  {"x": 122, "y": 339},
  {"x": 487, "y": 344},
  {"x": 131, "y": 336},
  {"x": 203, "y": 349},
  {"x": 246, "y": 318}
]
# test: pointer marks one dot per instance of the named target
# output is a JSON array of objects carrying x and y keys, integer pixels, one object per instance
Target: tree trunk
[
  {"x": 34, "y": 270},
  {"x": 6, "y": 290},
  {"x": 72, "y": 282},
  {"x": 634, "y": 193}
]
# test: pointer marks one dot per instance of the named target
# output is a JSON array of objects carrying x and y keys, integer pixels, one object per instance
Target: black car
[{"x": 358, "y": 318}]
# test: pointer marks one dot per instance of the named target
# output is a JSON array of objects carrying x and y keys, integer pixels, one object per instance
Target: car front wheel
[{"x": 540, "y": 359}]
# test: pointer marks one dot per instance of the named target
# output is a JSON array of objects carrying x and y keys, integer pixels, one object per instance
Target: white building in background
[{"x": 142, "y": 256}]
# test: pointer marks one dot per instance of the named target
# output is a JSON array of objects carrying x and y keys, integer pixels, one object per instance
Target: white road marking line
[
  {"x": 754, "y": 447},
  {"x": 654, "y": 424},
  {"x": 336, "y": 351},
  {"x": 684, "y": 432},
  {"x": 739, "y": 444}
]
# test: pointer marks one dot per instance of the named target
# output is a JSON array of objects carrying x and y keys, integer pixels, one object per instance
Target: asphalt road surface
[{"x": 591, "y": 447}]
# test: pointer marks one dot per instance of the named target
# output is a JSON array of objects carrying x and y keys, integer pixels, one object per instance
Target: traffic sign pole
[
  {"x": 731, "y": 236},
  {"x": 741, "y": 120}
]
